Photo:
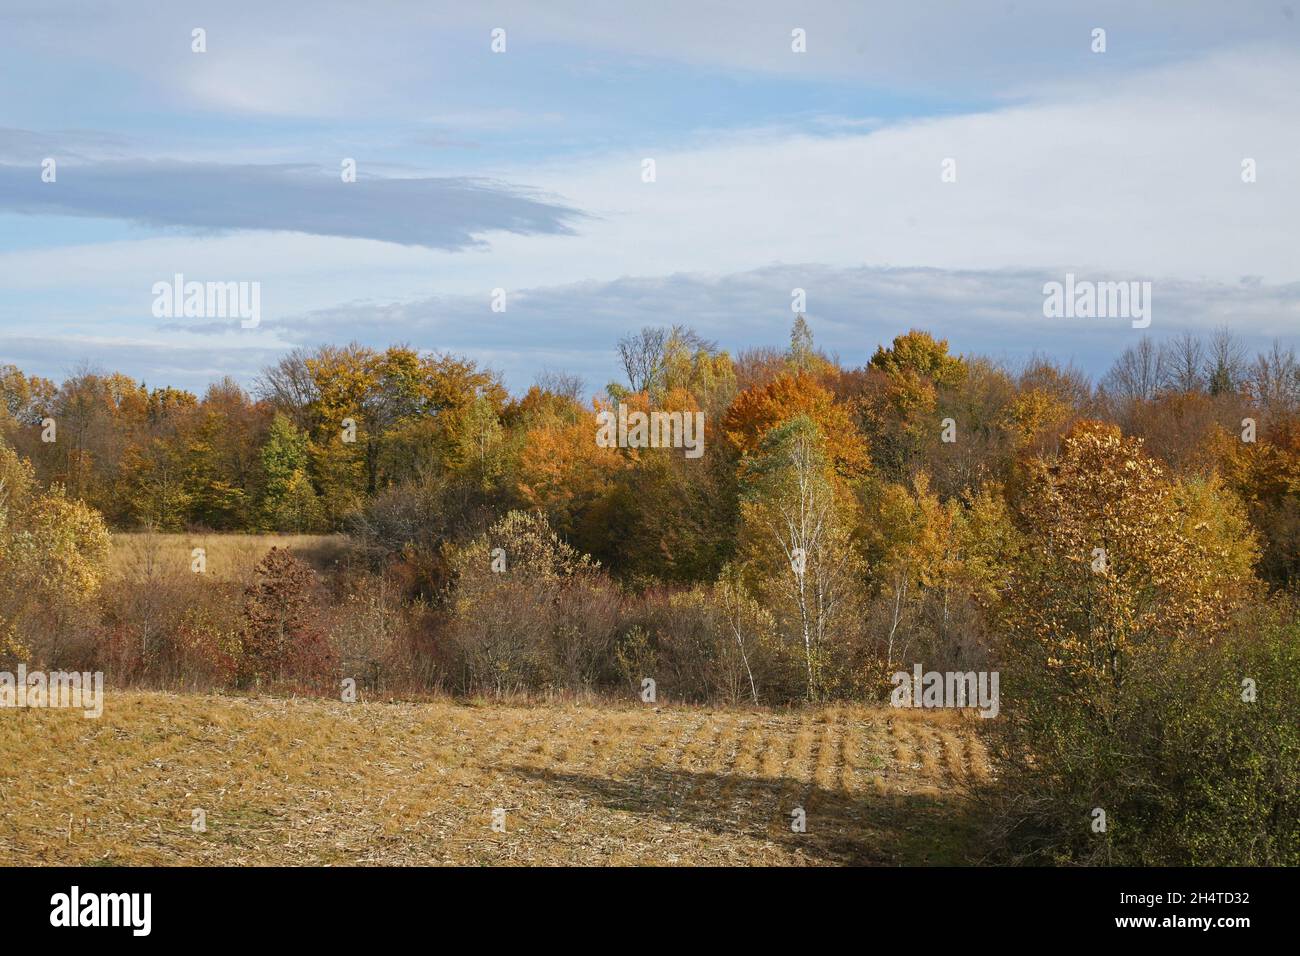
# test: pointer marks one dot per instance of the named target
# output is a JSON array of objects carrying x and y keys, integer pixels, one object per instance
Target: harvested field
[{"x": 318, "y": 782}]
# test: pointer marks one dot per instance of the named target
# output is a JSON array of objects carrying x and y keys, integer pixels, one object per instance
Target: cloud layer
[
  {"x": 439, "y": 213},
  {"x": 523, "y": 171},
  {"x": 575, "y": 327}
]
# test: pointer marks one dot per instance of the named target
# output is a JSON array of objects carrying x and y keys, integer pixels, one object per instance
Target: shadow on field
[{"x": 842, "y": 828}]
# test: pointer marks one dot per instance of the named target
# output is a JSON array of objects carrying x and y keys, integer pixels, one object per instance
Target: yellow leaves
[
  {"x": 70, "y": 543},
  {"x": 919, "y": 353},
  {"x": 916, "y": 543},
  {"x": 1177, "y": 555},
  {"x": 52, "y": 555},
  {"x": 12, "y": 647},
  {"x": 1033, "y": 412}
]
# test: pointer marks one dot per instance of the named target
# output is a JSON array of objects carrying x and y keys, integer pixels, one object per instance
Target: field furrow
[{"x": 175, "y": 779}]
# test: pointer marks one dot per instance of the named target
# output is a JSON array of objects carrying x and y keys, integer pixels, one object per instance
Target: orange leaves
[
  {"x": 758, "y": 410},
  {"x": 560, "y": 464}
]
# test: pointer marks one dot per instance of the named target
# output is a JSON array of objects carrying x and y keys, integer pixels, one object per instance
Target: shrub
[
  {"x": 381, "y": 641},
  {"x": 170, "y": 628},
  {"x": 1188, "y": 770},
  {"x": 529, "y": 612},
  {"x": 52, "y": 555},
  {"x": 709, "y": 643},
  {"x": 282, "y": 638}
]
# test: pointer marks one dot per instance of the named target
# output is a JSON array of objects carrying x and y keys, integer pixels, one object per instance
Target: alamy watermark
[
  {"x": 651, "y": 430},
  {"x": 75, "y": 908},
  {"x": 946, "y": 689},
  {"x": 70, "y": 689},
  {"x": 208, "y": 300},
  {"x": 1085, "y": 299}
]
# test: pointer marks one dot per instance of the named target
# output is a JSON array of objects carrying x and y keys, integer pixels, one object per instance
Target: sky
[{"x": 922, "y": 164}]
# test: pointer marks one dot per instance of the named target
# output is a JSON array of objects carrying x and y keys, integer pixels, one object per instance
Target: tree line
[{"x": 336, "y": 438}]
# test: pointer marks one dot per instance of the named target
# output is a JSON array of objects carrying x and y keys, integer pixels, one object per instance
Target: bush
[
  {"x": 528, "y": 612},
  {"x": 52, "y": 555},
  {"x": 382, "y": 641},
  {"x": 1187, "y": 771},
  {"x": 170, "y": 628},
  {"x": 709, "y": 643},
  {"x": 282, "y": 638}
]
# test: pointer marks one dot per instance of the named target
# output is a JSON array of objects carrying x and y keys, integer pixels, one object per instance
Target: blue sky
[{"x": 522, "y": 171}]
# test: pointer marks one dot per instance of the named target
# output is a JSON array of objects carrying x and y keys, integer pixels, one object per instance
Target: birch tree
[{"x": 796, "y": 524}]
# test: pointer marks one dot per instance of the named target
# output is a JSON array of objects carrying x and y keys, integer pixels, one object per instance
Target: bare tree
[
  {"x": 1225, "y": 368},
  {"x": 1184, "y": 364},
  {"x": 288, "y": 385},
  {"x": 734, "y": 607},
  {"x": 642, "y": 354},
  {"x": 1274, "y": 380},
  {"x": 1066, "y": 382},
  {"x": 1136, "y": 375},
  {"x": 564, "y": 384},
  {"x": 645, "y": 354}
]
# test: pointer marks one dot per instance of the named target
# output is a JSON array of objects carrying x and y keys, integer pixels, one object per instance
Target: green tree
[{"x": 290, "y": 503}]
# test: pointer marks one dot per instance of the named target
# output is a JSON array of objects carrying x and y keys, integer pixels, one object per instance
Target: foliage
[
  {"x": 52, "y": 553},
  {"x": 281, "y": 635},
  {"x": 1122, "y": 554},
  {"x": 1189, "y": 767}
]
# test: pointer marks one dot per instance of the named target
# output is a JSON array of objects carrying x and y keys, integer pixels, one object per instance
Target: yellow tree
[
  {"x": 1122, "y": 560},
  {"x": 1266, "y": 475},
  {"x": 52, "y": 553},
  {"x": 900, "y": 401}
]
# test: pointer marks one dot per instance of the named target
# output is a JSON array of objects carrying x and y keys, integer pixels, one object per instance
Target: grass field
[
  {"x": 228, "y": 556},
  {"x": 318, "y": 782}
]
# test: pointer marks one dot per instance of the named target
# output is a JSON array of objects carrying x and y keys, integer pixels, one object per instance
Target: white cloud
[
  {"x": 1143, "y": 178},
  {"x": 1134, "y": 176}
]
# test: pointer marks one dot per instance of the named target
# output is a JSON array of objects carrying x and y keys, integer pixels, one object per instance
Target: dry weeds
[{"x": 229, "y": 556}]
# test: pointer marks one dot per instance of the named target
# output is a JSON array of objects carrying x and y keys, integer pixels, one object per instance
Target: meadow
[{"x": 227, "y": 556}]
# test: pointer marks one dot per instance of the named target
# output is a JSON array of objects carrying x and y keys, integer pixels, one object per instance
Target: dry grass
[
  {"x": 319, "y": 782},
  {"x": 229, "y": 556}
]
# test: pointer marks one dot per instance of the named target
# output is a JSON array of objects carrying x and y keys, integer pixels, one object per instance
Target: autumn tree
[
  {"x": 796, "y": 519},
  {"x": 1265, "y": 474},
  {"x": 52, "y": 554},
  {"x": 281, "y": 634},
  {"x": 222, "y": 443},
  {"x": 1123, "y": 560},
  {"x": 565, "y": 474},
  {"x": 934, "y": 565},
  {"x": 900, "y": 400},
  {"x": 758, "y": 410},
  {"x": 290, "y": 503},
  {"x": 1123, "y": 665}
]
